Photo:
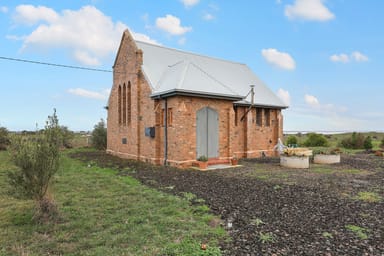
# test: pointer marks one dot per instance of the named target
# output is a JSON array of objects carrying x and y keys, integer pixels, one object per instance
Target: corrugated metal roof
[{"x": 170, "y": 70}]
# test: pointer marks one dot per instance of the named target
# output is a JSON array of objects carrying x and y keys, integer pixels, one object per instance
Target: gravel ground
[{"x": 268, "y": 210}]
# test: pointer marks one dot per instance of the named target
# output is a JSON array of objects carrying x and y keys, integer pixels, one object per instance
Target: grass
[
  {"x": 105, "y": 214},
  {"x": 322, "y": 169},
  {"x": 370, "y": 197},
  {"x": 327, "y": 235},
  {"x": 257, "y": 222},
  {"x": 358, "y": 231},
  {"x": 267, "y": 237}
]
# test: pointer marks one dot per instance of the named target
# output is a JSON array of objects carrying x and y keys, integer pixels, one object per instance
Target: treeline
[
  {"x": 98, "y": 138},
  {"x": 354, "y": 141}
]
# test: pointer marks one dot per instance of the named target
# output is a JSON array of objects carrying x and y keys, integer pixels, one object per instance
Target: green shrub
[
  {"x": 67, "y": 137},
  {"x": 315, "y": 140},
  {"x": 4, "y": 138},
  {"x": 355, "y": 141},
  {"x": 368, "y": 143},
  {"x": 382, "y": 143},
  {"x": 291, "y": 140},
  {"x": 99, "y": 136},
  {"x": 37, "y": 158}
]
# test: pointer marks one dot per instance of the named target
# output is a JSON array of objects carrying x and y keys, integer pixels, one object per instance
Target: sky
[{"x": 323, "y": 58}]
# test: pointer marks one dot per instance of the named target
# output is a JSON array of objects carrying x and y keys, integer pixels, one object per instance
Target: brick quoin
[{"x": 126, "y": 136}]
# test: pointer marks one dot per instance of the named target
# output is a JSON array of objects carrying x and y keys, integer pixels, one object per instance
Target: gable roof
[{"x": 170, "y": 72}]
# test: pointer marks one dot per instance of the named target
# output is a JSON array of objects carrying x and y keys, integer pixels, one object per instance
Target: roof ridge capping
[{"x": 191, "y": 53}]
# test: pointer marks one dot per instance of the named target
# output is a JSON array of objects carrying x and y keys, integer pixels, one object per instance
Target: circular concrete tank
[
  {"x": 297, "y": 162},
  {"x": 326, "y": 159}
]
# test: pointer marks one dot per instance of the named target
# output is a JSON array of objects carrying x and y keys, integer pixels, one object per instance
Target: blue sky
[{"x": 325, "y": 58}]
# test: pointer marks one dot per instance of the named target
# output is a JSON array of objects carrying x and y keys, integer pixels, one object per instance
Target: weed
[
  {"x": 327, "y": 235},
  {"x": 370, "y": 197},
  {"x": 267, "y": 237},
  {"x": 189, "y": 196},
  {"x": 358, "y": 231},
  {"x": 190, "y": 247},
  {"x": 276, "y": 187},
  {"x": 257, "y": 222}
]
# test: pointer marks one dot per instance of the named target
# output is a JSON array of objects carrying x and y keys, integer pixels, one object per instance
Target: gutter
[{"x": 179, "y": 92}]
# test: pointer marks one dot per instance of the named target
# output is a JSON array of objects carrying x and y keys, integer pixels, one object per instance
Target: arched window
[
  {"x": 119, "y": 104},
  {"x": 129, "y": 111},
  {"x": 124, "y": 104}
]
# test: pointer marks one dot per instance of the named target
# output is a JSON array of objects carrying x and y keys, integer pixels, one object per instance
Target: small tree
[
  {"x": 316, "y": 140},
  {"x": 291, "y": 140},
  {"x": 4, "y": 138},
  {"x": 37, "y": 158},
  {"x": 368, "y": 143},
  {"x": 356, "y": 141},
  {"x": 67, "y": 136},
  {"x": 99, "y": 136}
]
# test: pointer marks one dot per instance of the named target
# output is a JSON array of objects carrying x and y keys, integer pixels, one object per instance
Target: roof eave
[
  {"x": 178, "y": 92},
  {"x": 247, "y": 104}
]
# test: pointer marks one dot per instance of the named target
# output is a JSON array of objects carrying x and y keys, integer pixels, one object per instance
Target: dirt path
[{"x": 275, "y": 213}]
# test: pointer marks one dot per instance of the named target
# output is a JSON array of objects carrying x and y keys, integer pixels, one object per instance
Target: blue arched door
[{"x": 207, "y": 133}]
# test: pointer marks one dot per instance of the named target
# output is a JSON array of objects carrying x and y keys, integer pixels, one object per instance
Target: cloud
[
  {"x": 143, "y": 38},
  {"x": 88, "y": 42},
  {"x": 3, "y": 9},
  {"x": 279, "y": 59},
  {"x": 171, "y": 25},
  {"x": 284, "y": 96},
  {"x": 208, "y": 16},
  {"x": 182, "y": 41},
  {"x": 359, "y": 57},
  {"x": 30, "y": 15},
  {"x": 315, "y": 104},
  {"x": 190, "y": 3},
  {"x": 314, "y": 10},
  {"x": 103, "y": 95},
  {"x": 344, "y": 58},
  {"x": 311, "y": 100}
]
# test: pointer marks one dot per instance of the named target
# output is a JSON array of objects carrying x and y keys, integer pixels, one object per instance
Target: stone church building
[{"x": 170, "y": 107}]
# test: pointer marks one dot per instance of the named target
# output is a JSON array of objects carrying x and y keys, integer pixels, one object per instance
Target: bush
[
  {"x": 4, "y": 138},
  {"x": 99, "y": 136},
  {"x": 291, "y": 140},
  {"x": 315, "y": 140},
  {"x": 37, "y": 158},
  {"x": 356, "y": 141},
  {"x": 382, "y": 143},
  {"x": 368, "y": 143},
  {"x": 67, "y": 137}
]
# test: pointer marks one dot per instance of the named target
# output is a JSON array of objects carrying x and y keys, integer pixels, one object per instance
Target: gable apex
[{"x": 126, "y": 39}]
